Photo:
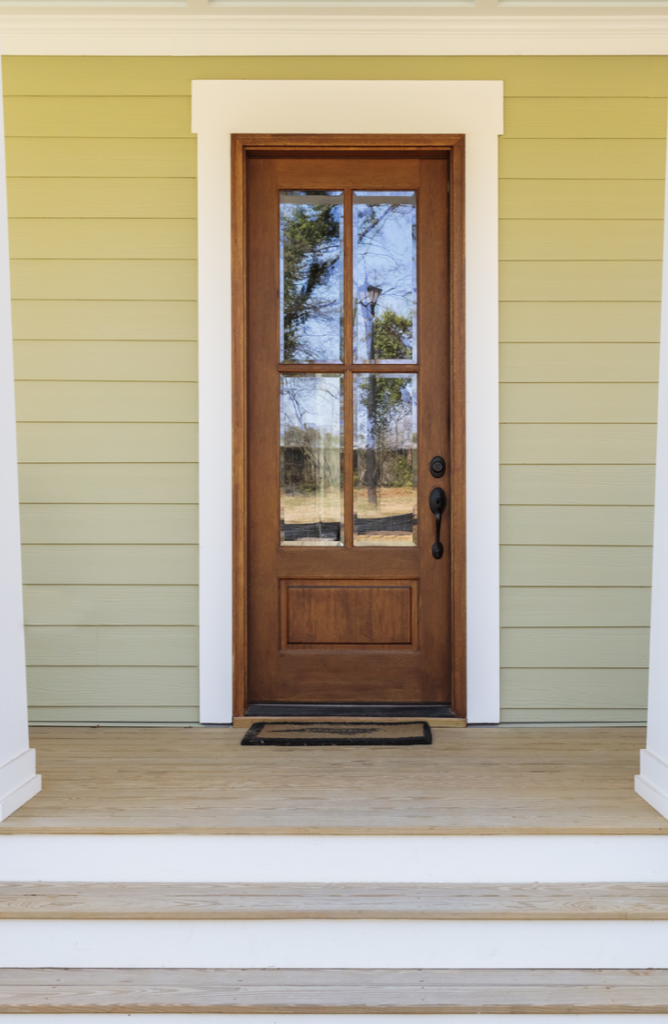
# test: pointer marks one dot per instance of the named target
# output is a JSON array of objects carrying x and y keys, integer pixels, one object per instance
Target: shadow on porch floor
[{"x": 471, "y": 781}]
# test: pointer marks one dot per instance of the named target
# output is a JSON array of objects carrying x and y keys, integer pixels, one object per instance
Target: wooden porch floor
[{"x": 471, "y": 781}]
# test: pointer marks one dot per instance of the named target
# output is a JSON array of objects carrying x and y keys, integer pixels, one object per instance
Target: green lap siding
[{"x": 102, "y": 202}]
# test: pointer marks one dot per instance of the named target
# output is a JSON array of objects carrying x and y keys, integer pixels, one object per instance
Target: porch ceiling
[{"x": 472, "y": 781}]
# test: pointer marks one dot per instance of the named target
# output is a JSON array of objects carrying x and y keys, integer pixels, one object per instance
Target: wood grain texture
[
  {"x": 587, "y": 566},
  {"x": 556, "y": 647},
  {"x": 173, "y": 483},
  {"x": 577, "y": 280},
  {"x": 137, "y": 279},
  {"x": 101, "y": 197},
  {"x": 574, "y": 716},
  {"x": 331, "y": 991},
  {"x": 580, "y": 117},
  {"x": 616, "y": 525},
  {"x": 590, "y": 199},
  {"x": 575, "y": 606},
  {"x": 580, "y": 159},
  {"x": 106, "y": 360},
  {"x": 107, "y": 442},
  {"x": 36, "y": 238},
  {"x": 110, "y": 401},
  {"x": 597, "y": 363},
  {"x": 578, "y": 403},
  {"x": 148, "y": 563},
  {"x": 87, "y": 524},
  {"x": 589, "y": 322},
  {"x": 102, "y": 158},
  {"x": 573, "y": 443},
  {"x": 158, "y": 714},
  {"x": 577, "y": 485},
  {"x": 131, "y": 901},
  {"x": 500, "y": 781},
  {"x": 105, "y": 686},
  {"x": 594, "y": 689},
  {"x": 111, "y": 645},
  {"x": 104, "y": 320},
  {"x": 55, "y": 605},
  {"x": 121, "y": 117}
]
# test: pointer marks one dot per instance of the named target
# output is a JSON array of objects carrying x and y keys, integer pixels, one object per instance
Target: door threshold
[{"x": 437, "y": 715}]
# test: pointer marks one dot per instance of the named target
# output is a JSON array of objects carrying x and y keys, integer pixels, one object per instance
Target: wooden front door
[{"x": 350, "y": 305}]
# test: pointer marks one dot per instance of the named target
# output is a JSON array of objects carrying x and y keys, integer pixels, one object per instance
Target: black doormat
[{"x": 337, "y": 734}]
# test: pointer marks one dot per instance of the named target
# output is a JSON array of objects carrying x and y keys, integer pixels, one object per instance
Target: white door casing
[{"x": 224, "y": 108}]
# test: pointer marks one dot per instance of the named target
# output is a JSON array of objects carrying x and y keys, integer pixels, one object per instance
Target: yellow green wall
[{"x": 102, "y": 200}]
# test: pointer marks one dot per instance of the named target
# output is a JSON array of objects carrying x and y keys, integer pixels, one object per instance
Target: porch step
[
  {"x": 180, "y": 901},
  {"x": 332, "y": 991}
]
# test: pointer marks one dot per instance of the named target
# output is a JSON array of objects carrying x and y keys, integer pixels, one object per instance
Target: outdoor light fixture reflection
[{"x": 373, "y": 294}]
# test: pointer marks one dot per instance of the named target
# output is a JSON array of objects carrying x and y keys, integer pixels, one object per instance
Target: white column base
[
  {"x": 18, "y": 783},
  {"x": 652, "y": 783}
]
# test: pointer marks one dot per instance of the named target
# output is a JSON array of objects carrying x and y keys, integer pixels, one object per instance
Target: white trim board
[
  {"x": 223, "y": 108},
  {"x": 219, "y": 32}
]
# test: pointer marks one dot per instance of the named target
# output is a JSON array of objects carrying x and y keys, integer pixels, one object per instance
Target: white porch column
[
  {"x": 652, "y": 783},
  {"x": 18, "y": 781}
]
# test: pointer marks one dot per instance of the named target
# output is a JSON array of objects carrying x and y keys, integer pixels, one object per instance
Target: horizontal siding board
[
  {"x": 543, "y": 198},
  {"x": 90, "y": 686},
  {"x": 141, "y": 197},
  {"x": 578, "y": 403},
  {"x": 111, "y": 645},
  {"x": 99, "y": 564},
  {"x": 575, "y": 648},
  {"x": 570, "y": 687},
  {"x": 575, "y": 606},
  {"x": 117, "y": 715},
  {"x": 172, "y": 76},
  {"x": 613, "y": 525},
  {"x": 100, "y": 401},
  {"x": 106, "y": 360},
  {"x": 586, "y": 322},
  {"x": 577, "y": 117},
  {"x": 581, "y": 159},
  {"x": 579, "y": 362},
  {"x": 109, "y": 524},
  {"x": 577, "y": 485},
  {"x": 571, "y": 566},
  {"x": 143, "y": 280},
  {"x": 36, "y": 238},
  {"x": 142, "y": 482},
  {"x": 142, "y": 117},
  {"x": 86, "y": 320},
  {"x": 102, "y": 158},
  {"x": 576, "y": 240},
  {"x": 577, "y": 280},
  {"x": 109, "y": 606},
  {"x": 574, "y": 443},
  {"x": 107, "y": 442},
  {"x": 574, "y": 716}
]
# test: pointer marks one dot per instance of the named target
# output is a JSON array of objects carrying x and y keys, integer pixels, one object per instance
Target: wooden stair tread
[
  {"x": 191, "y": 901},
  {"x": 32, "y": 990}
]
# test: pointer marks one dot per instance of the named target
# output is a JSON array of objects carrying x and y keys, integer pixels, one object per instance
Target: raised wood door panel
[{"x": 359, "y": 611}]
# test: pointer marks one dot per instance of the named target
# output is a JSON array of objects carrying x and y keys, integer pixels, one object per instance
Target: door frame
[
  {"x": 244, "y": 146},
  {"x": 222, "y": 109}
]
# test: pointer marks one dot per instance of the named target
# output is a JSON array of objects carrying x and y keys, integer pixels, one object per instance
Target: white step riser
[{"x": 334, "y": 944}]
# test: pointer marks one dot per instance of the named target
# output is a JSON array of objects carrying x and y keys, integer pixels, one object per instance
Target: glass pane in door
[
  {"x": 311, "y": 276},
  {"x": 385, "y": 459},
  {"x": 385, "y": 277},
  {"x": 312, "y": 459}
]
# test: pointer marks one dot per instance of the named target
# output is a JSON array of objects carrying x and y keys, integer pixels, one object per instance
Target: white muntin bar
[
  {"x": 18, "y": 781},
  {"x": 652, "y": 783}
]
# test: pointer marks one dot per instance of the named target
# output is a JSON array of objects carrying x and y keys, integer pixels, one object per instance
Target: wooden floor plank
[
  {"x": 155, "y": 901},
  {"x": 488, "y": 781},
  {"x": 332, "y": 991}
]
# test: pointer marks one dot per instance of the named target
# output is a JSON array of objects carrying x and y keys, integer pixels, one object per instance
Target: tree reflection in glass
[
  {"x": 311, "y": 277},
  {"x": 385, "y": 459},
  {"x": 385, "y": 277},
  {"x": 312, "y": 459}
]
